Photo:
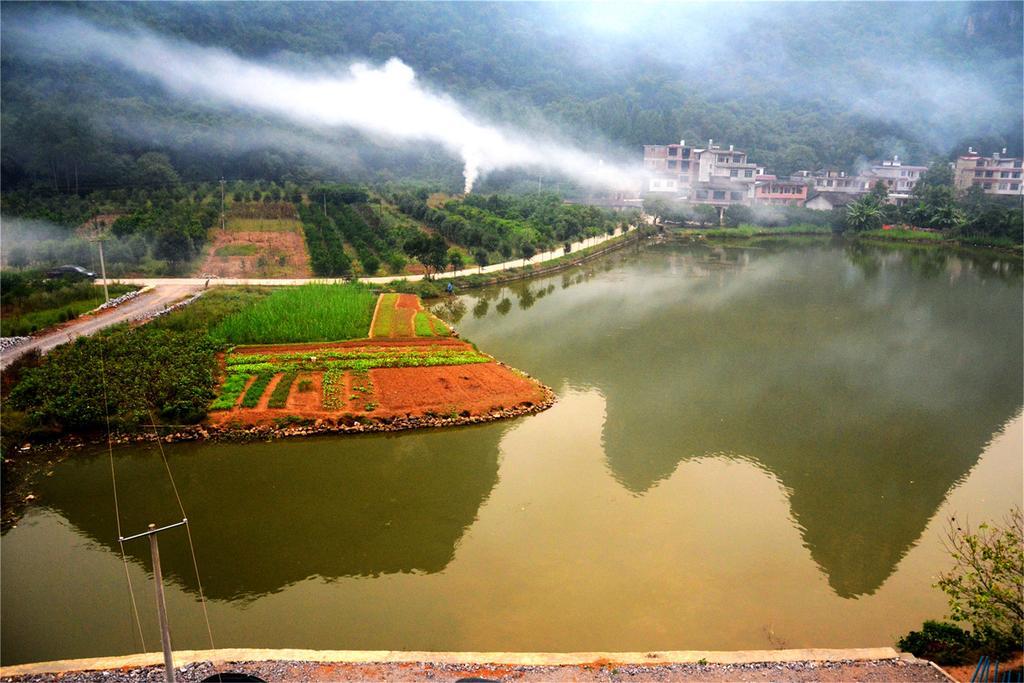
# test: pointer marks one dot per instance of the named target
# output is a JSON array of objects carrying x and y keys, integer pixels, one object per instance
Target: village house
[
  {"x": 996, "y": 175},
  {"x": 703, "y": 175},
  {"x": 769, "y": 189},
  {"x": 899, "y": 178}
]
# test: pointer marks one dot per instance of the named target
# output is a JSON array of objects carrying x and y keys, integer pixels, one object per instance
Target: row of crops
[{"x": 252, "y": 373}]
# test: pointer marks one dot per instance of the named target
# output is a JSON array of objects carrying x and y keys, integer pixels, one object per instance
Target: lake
[{"x": 753, "y": 447}]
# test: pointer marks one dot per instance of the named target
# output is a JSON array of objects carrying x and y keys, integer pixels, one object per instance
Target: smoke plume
[{"x": 384, "y": 101}]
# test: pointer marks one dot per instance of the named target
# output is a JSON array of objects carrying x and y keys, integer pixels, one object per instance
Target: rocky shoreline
[{"x": 345, "y": 424}]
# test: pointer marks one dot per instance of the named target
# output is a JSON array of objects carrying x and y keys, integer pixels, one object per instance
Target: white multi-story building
[
  {"x": 703, "y": 175},
  {"x": 997, "y": 174}
]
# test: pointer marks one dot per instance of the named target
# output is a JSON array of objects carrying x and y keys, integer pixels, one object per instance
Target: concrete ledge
[{"x": 221, "y": 656}]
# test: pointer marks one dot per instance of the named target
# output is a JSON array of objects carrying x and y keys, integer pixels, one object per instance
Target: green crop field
[
  {"x": 313, "y": 312},
  {"x": 384, "y": 325}
]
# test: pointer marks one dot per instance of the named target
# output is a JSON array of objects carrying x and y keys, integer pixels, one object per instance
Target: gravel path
[
  {"x": 161, "y": 296},
  {"x": 871, "y": 670}
]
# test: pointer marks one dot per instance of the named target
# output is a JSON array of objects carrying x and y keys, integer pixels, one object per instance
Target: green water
[{"x": 752, "y": 448}]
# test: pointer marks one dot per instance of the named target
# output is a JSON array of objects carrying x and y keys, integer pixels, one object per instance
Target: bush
[
  {"x": 125, "y": 373},
  {"x": 941, "y": 642},
  {"x": 986, "y": 585},
  {"x": 985, "y": 588}
]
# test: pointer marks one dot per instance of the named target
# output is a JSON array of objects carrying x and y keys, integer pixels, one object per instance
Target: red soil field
[{"x": 466, "y": 390}]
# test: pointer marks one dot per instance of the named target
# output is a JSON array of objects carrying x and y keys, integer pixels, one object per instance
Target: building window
[
  {"x": 988, "y": 174},
  {"x": 672, "y": 151},
  {"x": 686, "y": 154},
  {"x": 987, "y": 186},
  {"x": 1016, "y": 164},
  {"x": 1004, "y": 174},
  {"x": 1004, "y": 186},
  {"x": 748, "y": 173},
  {"x": 736, "y": 196},
  {"x": 977, "y": 174},
  {"x": 734, "y": 173},
  {"x": 719, "y": 194},
  {"x": 1014, "y": 186},
  {"x": 723, "y": 158},
  {"x": 672, "y": 163},
  {"x": 903, "y": 173},
  {"x": 1017, "y": 174},
  {"x": 702, "y": 194},
  {"x": 980, "y": 162}
]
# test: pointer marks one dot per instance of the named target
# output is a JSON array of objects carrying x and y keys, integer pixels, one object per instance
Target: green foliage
[
  {"x": 864, "y": 214},
  {"x": 324, "y": 241},
  {"x": 279, "y": 396},
  {"x": 422, "y": 323},
  {"x": 313, "y": 312},
  {"x": 334, "y": 389},
  {"x": 985, "y": 587},
  {"x": 208, "y": 310},
  {"x": 30, "y": 302},
  {"x": 230, "y": 391},
  {"x": 256, "y": 389},
  {"x": 124, "y": 372},
  {"x": 384, "y": 323},
  {"x": 941, "y": 642}
]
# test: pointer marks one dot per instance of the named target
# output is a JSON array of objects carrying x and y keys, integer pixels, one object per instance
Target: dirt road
[{"x": 161, "y": 296}]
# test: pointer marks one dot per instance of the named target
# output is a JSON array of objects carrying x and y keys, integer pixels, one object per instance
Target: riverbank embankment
[{"x": 865, "y": 664}]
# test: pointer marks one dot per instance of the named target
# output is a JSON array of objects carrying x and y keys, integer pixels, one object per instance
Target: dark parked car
[{"x": 71, "y": 273}]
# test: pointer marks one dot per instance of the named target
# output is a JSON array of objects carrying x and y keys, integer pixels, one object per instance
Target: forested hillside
[{"x": 798, "y": 85}]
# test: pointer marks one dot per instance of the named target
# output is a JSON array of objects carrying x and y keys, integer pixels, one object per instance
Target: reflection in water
[
  {"x": 866, "y": 383},
  {"x": 747, "y": 441},
  {"x": 354, "y": 507}
]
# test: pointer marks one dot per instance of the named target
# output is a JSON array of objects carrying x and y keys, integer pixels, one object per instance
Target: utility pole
[
  {"x": 161, "y": 603},
  {"x": 222, "y": 225},
  {"x": 97, "y": 234}
]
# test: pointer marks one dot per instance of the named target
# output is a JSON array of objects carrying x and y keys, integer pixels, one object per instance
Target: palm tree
[{"x": 863, "y": 214}]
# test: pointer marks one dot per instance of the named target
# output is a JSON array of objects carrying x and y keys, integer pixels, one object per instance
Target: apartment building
[
  {"x": 704, "y": 175},
  {"x": 899, "y": 178},
  {"x": 996, "y": 175},
  {"x": 768, "y": 189}
]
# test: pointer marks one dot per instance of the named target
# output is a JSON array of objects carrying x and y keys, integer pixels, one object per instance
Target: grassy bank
[
  {"x": 746, "y": 231},
  {"x": 31, "y": 302}
]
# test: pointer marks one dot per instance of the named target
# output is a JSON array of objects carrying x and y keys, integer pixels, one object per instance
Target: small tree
[
  {"x": 528, "y": 251},
  {"x": 986, "y": 584},
  {"x": 455, "y": 258},
  {"x": 863, "y": 214},
  {"x": 480, "y": 257}
]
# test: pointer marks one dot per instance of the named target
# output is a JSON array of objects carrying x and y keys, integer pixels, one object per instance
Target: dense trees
[{"x": 780, "y": 95}]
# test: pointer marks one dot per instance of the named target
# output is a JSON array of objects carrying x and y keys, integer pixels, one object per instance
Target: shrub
[
  {"x": 169, "y": 372},
  {"x": 942, "y": 643},
  {"x": 985, "y": 588},
  {"x": 986, "y": 585}
]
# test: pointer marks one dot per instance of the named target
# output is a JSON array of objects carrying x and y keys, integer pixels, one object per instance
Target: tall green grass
[{"x": 314, "y": 312}]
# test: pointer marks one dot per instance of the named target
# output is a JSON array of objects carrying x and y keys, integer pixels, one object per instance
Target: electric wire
[{"x": 117, "y": 511}]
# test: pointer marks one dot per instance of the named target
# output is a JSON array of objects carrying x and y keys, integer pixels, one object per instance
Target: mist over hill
[{"x": 797, "y": 85}]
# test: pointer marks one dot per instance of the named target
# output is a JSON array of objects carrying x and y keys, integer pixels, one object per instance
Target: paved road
[
  {"x": 198, "y": 281},
  {"x": 161, "y": 296},
  {"x": 169, "y": 290}
]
